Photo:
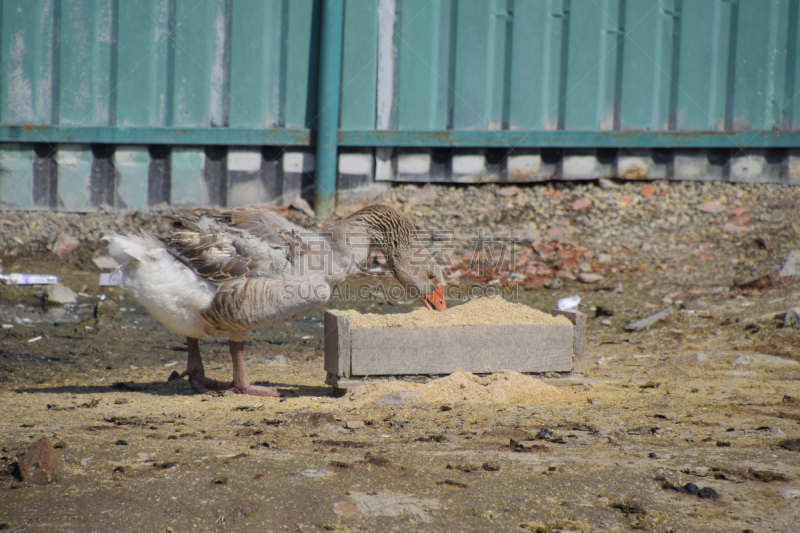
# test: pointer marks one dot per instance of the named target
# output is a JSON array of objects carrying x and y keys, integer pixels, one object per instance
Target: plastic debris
[
  {"x": 28, "y": 279},
  {"x": 113, "y": 279},
  {"x": 569, "y": 304}
]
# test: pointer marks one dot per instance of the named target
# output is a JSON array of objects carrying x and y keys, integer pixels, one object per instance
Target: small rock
[
  {"x": 712, "y": 207},
  {"x": 792, "y": 318},
  {"x": 649, "y": 321},
  {"x": 107, "y": 308},
  {"x": 39, "y": 464},
  {"x": 105, "y": 262},
  {"x": 790, "y": 266},
  {"x": 490, "y": 466},
  {"x": 65, "y": 245},
  {"x": 708, "y": 493},
  {"x": 396, "y": 398},
  {"x": 606, "y": 184},
  {"x": 605, "y": 258},
  {"x": 580, "y": 205},
  {"x": 791, "y": 494},
  {"x": 729, "y": 227},
  {"x": 508, "y": 191},
  {"x": 354, "y": 424},
  {"x": 345, "y": 509},
  {"x": 590, "y": 278},
  {"x": 691, "y": 488},
  {"x": 60, "y": 294},
  {"x": 648, "y": 190}
]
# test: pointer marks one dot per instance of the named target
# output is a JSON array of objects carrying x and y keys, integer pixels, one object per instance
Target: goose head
[
  {"x": 412, "y": 264},
  {"x": 421, "y": 277}
]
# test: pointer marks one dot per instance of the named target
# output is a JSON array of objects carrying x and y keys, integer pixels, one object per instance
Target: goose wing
[{"x": 238, "y": 243}]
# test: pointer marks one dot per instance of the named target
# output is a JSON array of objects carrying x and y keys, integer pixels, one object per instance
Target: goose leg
[
  {"x": 241, "y": 383},
  {"x": 196, "y": 373}
]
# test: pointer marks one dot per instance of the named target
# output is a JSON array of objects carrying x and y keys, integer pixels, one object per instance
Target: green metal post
[{"x": 330, "y": 68}]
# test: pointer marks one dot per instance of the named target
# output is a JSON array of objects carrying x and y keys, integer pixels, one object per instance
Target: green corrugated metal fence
[{"x": 135, "y": 102}]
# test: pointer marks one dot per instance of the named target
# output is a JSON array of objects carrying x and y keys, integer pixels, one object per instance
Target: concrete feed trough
[{"x": 355, "y": 353}]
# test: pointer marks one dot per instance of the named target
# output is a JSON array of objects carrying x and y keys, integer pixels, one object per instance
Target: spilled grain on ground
[{"x": 505, "y": 386}]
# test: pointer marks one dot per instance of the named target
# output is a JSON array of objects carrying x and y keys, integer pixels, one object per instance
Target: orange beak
[{"x": 435, "y": 300}]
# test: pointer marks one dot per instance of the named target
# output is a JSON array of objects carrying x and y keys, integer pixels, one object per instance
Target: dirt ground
[{"x": 709, "y": 396}]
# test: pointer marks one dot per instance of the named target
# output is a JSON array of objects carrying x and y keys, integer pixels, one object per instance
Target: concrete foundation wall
[{"x": 84, "y": 177}]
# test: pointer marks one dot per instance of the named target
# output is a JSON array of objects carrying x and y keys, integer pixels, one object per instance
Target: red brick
[
  {"x": 65, "y": 245},
  {"x": 580, "y": 205},
  {"x": 345, "y": 509},
  {"x": 39, "y": 464}
]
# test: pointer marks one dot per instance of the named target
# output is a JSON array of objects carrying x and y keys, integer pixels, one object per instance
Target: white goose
[{"x": 242, "y": 269}]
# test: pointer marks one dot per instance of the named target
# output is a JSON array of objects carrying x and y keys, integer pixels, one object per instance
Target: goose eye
[{"x": 431, "y": 276}]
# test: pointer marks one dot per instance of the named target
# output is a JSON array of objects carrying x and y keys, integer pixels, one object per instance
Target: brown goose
[{"x": 238, "y": 270}]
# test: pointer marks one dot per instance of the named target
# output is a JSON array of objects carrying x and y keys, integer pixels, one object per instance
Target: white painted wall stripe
[{"x": 244, "y": 160}]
